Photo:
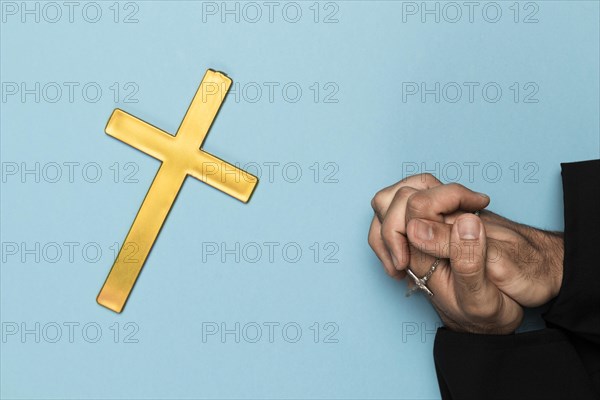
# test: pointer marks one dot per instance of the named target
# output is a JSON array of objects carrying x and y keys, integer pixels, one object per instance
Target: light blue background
[{"x": 369, "y": 134}]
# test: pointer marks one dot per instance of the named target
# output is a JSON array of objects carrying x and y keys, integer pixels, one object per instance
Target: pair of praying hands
[{"x": 489, "y": 268}]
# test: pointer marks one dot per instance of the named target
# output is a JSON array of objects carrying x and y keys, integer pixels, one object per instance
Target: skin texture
[{"x": 491, "y": 267}]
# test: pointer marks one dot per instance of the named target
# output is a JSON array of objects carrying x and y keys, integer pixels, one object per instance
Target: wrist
[
  {"x": 546, "y": 268},
  {"x": 554, "y": 259}
]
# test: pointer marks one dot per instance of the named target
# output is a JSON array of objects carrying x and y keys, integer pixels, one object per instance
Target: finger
[
  {"x": 478, "y": 298},
  {"x": 420, "y": 262},
  {"x": 475, "y": 295},
  {"x": 434, "y": 203},
  {"x": 439, "y": 282},
  {"x": 393, "y": 228},
  {"x": 432, "y": 238},
  {"x": 378, "y": 246},
  {"x": 384, "y": 197}
]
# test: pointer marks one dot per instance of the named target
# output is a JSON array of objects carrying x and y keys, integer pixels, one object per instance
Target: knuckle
[
  {"x": 456, "y": 186},
  {"x": 418, "y": 203},
  {"x": 404, "y": 192},
  {"x": 470, "y": 310},
  {"x": 371, "y": 240},
  {"x": 484, "y": 311},
  {"x": 467, "y": 268},
  {"x": 377, "y": 202},
  {"x": 489, "y": 311},
  {"x": 498, "y": 273},
  {"x": 426, "y": 176}
]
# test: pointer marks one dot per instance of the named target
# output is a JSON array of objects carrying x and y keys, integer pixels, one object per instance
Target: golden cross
[{"x": 181, "y": 155}]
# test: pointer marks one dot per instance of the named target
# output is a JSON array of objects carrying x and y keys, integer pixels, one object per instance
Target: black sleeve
[
  {"x": 562, "y": 361},
  {"x": 577, "y": 306}
]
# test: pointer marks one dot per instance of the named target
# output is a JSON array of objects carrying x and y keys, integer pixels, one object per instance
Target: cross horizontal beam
[{"x": 165, "y": 147}]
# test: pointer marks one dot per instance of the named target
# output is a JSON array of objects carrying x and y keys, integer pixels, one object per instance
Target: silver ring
[{"x": 421, "y": 283}]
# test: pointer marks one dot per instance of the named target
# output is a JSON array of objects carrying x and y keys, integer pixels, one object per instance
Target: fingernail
[
  {"x": 395, "y": 261},
  {"x": 483, "y": 195},
  {"x": 423, "y": 230},
  {"x": 468, "y": 228}
]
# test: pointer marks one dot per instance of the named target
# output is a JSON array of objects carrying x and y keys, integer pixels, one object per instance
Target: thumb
[{"x": 476, "y": 296}]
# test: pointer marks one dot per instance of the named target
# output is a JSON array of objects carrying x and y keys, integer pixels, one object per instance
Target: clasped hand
[{"x": 490, "y": 267}]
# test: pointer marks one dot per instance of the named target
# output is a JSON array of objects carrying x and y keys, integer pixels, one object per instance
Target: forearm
[{"x": 549, "y": 246}]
